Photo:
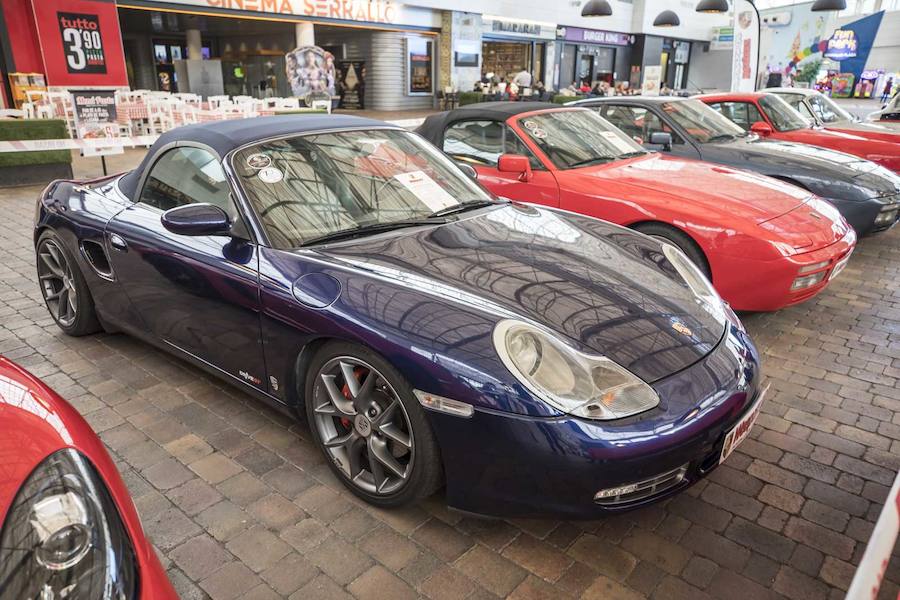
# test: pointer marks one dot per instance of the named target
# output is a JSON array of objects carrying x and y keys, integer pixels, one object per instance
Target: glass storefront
[{"x": 507, "y": 58}]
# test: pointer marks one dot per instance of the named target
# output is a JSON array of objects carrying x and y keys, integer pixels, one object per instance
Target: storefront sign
[
  {"x": 842, "y": 45},
  {"x": 593, "y": 36},
  {"x": 82, "y": 42},
  {"x": 722, "y": 38},
  {"x": 373, "y": 11},
  {"x": 521, "y": 29}
]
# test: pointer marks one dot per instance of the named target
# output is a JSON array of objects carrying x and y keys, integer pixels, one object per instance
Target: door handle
[{"x": 117, "y": 242}]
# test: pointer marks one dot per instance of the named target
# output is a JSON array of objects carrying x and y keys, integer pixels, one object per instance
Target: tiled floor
[{"x": 241, "y": 505}]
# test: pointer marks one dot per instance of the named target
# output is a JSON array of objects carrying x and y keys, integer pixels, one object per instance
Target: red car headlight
[{"x": 63, "y": 537}]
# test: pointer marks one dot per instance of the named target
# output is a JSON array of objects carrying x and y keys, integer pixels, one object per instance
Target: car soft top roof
[
  {"x": 225, "y": 136},
  {"x": 434, "y": 125},
  {"x": 632, "y": 99}
]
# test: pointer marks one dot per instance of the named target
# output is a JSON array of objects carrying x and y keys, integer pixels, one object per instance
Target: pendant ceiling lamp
[
  {"x": 596, "y": 8},
  {"x": 712, "y": 6},
  {"x": 668, "y": 18},
  {"x": 828, "y": 5}
]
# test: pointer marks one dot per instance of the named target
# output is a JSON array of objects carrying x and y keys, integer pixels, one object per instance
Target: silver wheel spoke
[
  {"x": 378, "y": 477},
  {"x": 52, "y": 264},
  {"x": 340, "y": 402},
  {"x": 340, "y": 441},
  {"x": 378, "y": 449},
  {"x": 62, "y": 308},
  {"x": 350, "y": 379},
  {"x": 391, "y": 431}
]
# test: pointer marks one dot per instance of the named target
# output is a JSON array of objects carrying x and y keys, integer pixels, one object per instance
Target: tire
[
  {"x": 59, "y": 274},
  {"x": 352, "y": 443},
  {"x": 679, "y": 239}
]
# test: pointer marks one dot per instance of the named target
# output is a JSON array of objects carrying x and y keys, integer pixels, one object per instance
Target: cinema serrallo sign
[{"x": 372, "y": 11}]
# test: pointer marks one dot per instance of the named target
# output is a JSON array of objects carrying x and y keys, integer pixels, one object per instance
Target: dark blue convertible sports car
[{"x": 532, "y": 360}]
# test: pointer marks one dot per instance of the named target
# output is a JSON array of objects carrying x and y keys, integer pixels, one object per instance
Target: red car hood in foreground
[
  {"x": 35, "y": 422},
  {"x": 714, "y": 189}
]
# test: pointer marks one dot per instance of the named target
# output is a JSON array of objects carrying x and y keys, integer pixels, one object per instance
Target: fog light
[
  {"x": 444, "y": 405},
  {"x": 807, "y": 281},
  {"x": 814, "y": 267},
  {"x": 886, "y": 217},
  {"x": 616, "y": 491}
]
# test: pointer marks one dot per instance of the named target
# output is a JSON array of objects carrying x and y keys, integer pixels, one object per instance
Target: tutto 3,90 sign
[{"x": 82, "y": 42}]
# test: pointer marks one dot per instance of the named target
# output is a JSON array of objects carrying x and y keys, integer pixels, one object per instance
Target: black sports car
[{"x": 867, "y": 194}]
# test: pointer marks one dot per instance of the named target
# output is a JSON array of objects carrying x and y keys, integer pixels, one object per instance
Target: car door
[
  {"x": 199, "y": 294},
  {"x": 481, "y": 142}
]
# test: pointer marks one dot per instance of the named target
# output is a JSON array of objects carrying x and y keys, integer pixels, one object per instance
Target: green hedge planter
[{"x": 29, "y": 168}]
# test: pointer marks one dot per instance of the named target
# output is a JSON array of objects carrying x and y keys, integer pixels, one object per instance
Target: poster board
[
  {"x": 95, "y": 121},
  {"x": 652, "y": 80},
  {"x": 352, "y": 86}
]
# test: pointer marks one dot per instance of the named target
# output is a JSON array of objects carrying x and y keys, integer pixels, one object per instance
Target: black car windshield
[
  {"x": 701, "y": 122},
  {"x": 782, "y": 115},
  {"x": 578, "y": 138},
  {"x": 315, "y": 187}
]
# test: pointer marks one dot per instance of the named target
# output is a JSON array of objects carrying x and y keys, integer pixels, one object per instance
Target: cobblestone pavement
[{"x": 241, "y": 505}]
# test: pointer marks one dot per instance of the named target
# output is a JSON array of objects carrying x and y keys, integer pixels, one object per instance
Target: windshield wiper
[
  {"x": 722, "y": 137},
  {"x": 461, "y": 207},
  {"x": 591, "y": 161},
  {"x": 632, "y": 154},
  {"x": 363, "y": 230}
]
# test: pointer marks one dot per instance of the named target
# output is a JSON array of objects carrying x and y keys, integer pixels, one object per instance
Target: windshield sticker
[
  {"x": 270, "y": 175},
  {"x": 539, "y": 133},
  {"x": 259, "y": 161},
  {"x": 621, "y": 145},
  {"x": 426, "y": 190},
  {"x": 530, "y": 124}
]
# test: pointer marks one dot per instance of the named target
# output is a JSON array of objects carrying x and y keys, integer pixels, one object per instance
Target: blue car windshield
[{"x": 314, "y": 187}]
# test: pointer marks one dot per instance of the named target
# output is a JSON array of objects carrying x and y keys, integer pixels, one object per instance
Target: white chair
[
  {"x": 217, "y": 101},
  {"x": 160, "y": 116},
  {"x": 29, "y": 110},
  {"x": 192, "y": 99},
  {"x": 242, "y": 99},
  {"x": 185, "y": 114},
  {"x": 287, "y": 103}
]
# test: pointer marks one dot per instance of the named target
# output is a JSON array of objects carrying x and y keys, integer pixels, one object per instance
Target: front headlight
[
  {"x": 704, "y": 293},
  {"x": 63, "y": 537},
  {"x": 593, "y": 387}
]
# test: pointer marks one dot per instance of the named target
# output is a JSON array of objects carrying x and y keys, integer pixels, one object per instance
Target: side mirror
[
  {"x": 661, "y": 138},
  {"x": 468, "y": 169},
  {"x": 515, "y": 163},
  {"x": 761, "y": 128},
  {"x": 197, "y": 219}
]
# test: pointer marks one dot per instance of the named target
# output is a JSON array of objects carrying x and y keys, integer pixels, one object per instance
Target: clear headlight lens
[
  {"x": 63, "y": 538},
  {"x": 704, "y": 293},
  {"x": 593, "y": 387}
]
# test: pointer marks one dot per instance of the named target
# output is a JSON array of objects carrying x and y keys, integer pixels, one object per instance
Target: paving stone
[
  {"x": 224, "y": 520},
  {"x": 257, "y": 548},
  {"x": 321, "y": 588},
  {"x": 305, "y": 535},
  {"x": 231, "y": 581},
  {"x": 538, "y": 556},
  {"x": 194, "y": 496},
  {"x": 340, "y": 560},
  {"x": 820, "y": 538},
  {"x": 447, "y": 583},
  {"x": 715, "y": 547},
  {"x": 215, "y": 468},
  {"x": 447, "y": 543},
  {"x": 606, "y": 559},
  {"x": 200, "y": 557},
  {"x": 275, "y": 512},
  {"x": 490, "y": 570},
  {"x": 760, "y": 539},
  {"x": 290, "y": 573},
  {"x": 699, "y": 571},
  {"x": 650, "y": 547},
  {"x": 380, "y": 584}
]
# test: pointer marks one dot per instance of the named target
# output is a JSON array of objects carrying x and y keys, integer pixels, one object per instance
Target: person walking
[
  {"x": 522, "y": 79},
  {"x": 888, "y": 88}
]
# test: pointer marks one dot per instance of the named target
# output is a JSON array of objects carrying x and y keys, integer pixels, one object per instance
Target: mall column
[
  {"x": 306, "y": 35},
  {"x": 194, "y": 45}
]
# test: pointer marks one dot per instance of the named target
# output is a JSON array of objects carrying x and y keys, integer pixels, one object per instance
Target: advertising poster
[
  {"x": 652, "y": 80},
  {"x": 310, "y": 71},
  {"x": 95, "y": 121},
  {"x": 82, "y": 42},
  {"x": 352, "y": 84},
  {"x": 745, "y": 51}
]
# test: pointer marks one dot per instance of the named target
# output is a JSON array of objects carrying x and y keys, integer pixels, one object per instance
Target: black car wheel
[
  {"x": 680, "y": 240},
  {"x": 374, "y": 434},
  {"x": 63, "y": 286}
]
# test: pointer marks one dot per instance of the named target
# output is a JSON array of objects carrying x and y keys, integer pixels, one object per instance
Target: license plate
[
  {"x": 740, "y": 431},
  {"x": 840, "y": 266}
]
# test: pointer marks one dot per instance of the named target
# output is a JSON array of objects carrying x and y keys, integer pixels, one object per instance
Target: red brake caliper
[{"x": 358, "y": 373}]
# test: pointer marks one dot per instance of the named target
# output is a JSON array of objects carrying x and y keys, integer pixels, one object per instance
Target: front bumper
[
  {"x": 755, "y": 285},
  {"x": 511, "y": 465},
  {"x": 867, "y": 217}
]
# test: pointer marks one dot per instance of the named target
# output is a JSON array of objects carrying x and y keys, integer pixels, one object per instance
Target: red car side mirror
[
  {"x": 515, "y": 163},
  {"x": 761, "y": 128}
]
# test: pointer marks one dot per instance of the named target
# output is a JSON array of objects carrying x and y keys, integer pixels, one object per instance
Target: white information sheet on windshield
[
  {"x": 622, "y": 146},
  {"x": 426, "y": 190}
]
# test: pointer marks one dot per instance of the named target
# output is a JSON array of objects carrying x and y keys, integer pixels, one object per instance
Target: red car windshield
[
  {"x": 783, "y": 117},
  {"x": 578, "y": 138}
]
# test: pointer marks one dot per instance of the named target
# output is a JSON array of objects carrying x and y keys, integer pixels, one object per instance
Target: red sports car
[
  {"x": 825, "y": 112},
  {"x": 764, "y": 244},
  {"x": 69, "y": 528},
  {"x": 768, "y": 115}
]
